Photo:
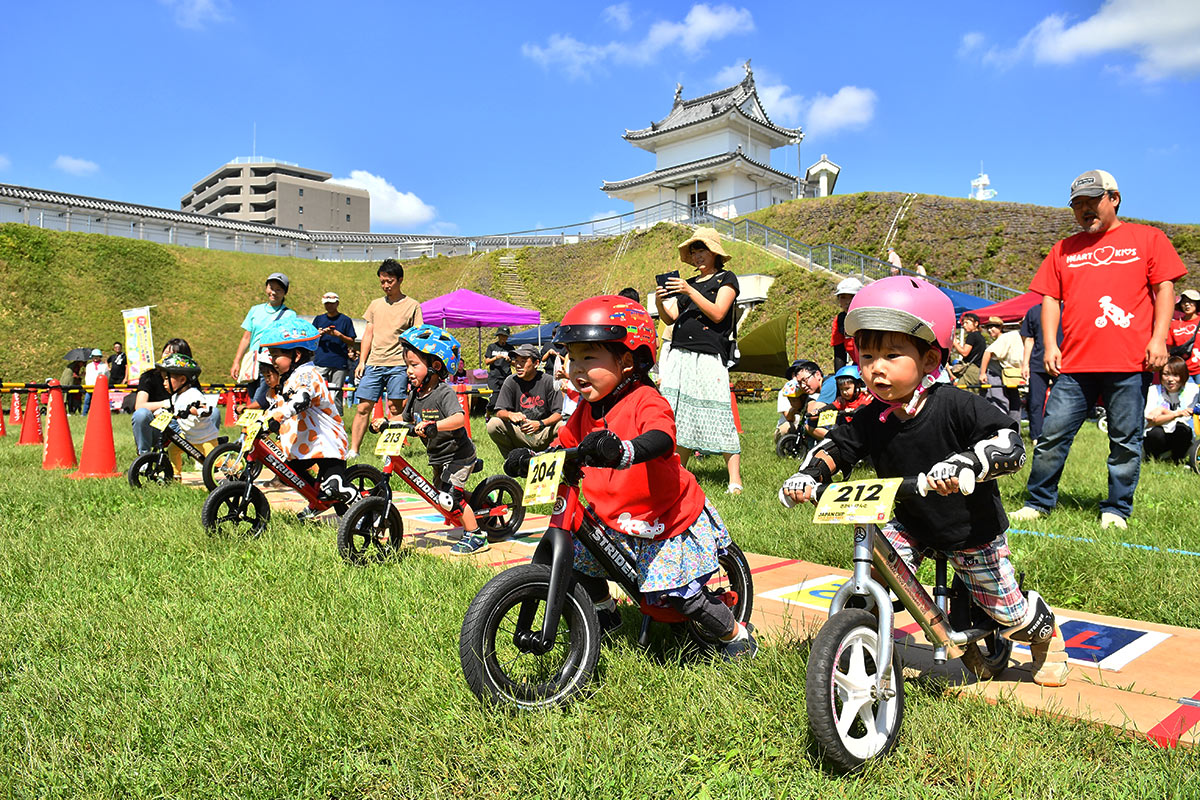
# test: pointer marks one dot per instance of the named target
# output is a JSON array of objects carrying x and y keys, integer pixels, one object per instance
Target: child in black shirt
[{"x": 918, "y": 424}]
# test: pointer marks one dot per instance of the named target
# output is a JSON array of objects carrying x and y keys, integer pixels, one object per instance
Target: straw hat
[
  {"x": 994, "y": 321},
  {"x": 710, "y": 239}
]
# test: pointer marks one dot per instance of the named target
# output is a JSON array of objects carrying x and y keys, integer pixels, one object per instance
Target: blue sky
[{"x": 490, "y": 117}]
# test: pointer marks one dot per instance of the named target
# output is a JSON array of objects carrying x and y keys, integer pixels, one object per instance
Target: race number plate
[
  {"x": 162, "y": 419},
  {"x": 545, "y": 472},
  {"x": 857, "y": 501},
  {"x": 248, "y": 416},
  {"x": 827, "y": 417},
  {"x": 390, "y": 442},
  {"x": 251, "y": 434}
]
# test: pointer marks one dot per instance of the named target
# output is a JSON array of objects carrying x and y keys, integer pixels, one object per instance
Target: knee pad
[
  {"x": 1038, "y": 624},
  {"x": 453, "y": 500},
  {"x": 335, "y": 488}
]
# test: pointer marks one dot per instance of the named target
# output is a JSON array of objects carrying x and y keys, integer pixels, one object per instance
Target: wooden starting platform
[{"x": 1135, "y": 676}]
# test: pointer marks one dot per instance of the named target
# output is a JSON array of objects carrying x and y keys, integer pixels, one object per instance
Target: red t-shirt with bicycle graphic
[
  {"x": 1103, "y": 281},
  {"x": 654, "y": 500},
  {"x": 1179, "y": 334}
]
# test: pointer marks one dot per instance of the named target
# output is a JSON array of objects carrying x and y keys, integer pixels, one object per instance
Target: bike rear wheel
[
  {"x": 789, "y": 445},
  {"x": 1193, "y": 456},
  {"x": 987, "y": 657},
  {"x": 225, "y": 462},
  {"x": 493, "y": 491},
  {"x": 228, "y": 512},
  {"x": 364, "y": 477},
  {"x": 371, "y": 530},
  {"x": 849, "y": 723},
  {"x": 150, "y": 468},
  {"x": 500, "y": 671}
]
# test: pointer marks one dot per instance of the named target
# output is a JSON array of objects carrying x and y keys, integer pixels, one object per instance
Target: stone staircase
[{"x": 509, "y": 279}]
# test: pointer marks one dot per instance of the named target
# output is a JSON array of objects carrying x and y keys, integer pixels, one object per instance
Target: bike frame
[
  {"x": 170, "y": 437},
  {"x": 267, "y": 452},
  {"x": 399, "y": 465}
]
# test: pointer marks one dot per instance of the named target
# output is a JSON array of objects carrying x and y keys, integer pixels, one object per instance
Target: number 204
[{"x": 543, "y": 472}]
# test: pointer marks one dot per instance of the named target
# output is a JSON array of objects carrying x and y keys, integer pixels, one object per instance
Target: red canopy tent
[{"x": 1012, "y": 310}]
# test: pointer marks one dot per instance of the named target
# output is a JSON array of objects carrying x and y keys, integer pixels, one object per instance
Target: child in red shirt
[
  {"x": 644, "y": 497},
  {"x": 850, "y": 397}
]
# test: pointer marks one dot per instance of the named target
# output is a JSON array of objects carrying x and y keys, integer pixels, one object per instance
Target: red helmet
[{"x": 611, "y": 318}]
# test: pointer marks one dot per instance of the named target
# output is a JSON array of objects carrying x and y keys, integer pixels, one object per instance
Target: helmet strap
[
  {"x": 911, "y": 406},
  {"x": 605, "y": 404}
]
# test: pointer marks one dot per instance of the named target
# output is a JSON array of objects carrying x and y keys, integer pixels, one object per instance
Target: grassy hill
[
  {"x": 954, "y": 237},
  {"x": 63, "y": 290}
]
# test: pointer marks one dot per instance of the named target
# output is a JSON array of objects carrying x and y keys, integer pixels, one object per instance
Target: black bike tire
[
  {"x": 210, "y": 463},
  {"x": 147, "y": 467},
  {"x": 477, "y": 651},
  {"x": 820, "y": 686},
  {"x": 358, "y": 548},
  {"x": 737, "y": 568},
  {"x": 227, "y": 494},
  {"x": 364, "y": 477},
  {"x": 1193, "y": 456},
  {"x": 495, "y": 528},
  {"x": 787, "y": 445}
]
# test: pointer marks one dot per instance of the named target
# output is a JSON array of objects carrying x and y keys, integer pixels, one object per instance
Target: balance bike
[
  {"x": 155, "y": 467},
  {"x": 854, "y": 690},
  {"x": 531, "y": 638},
  {"x": 373, "y": 527}
]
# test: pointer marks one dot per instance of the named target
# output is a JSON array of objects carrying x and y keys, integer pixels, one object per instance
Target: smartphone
[{"x": 662, "y": 279}]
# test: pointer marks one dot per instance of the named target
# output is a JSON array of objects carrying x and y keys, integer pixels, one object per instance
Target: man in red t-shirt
[{"x": 1112, "y": 287}]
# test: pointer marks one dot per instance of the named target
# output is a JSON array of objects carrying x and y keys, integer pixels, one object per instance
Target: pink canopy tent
[
  {"x": 463, "y": 308},
  {"x": 1011, "y": 310}
]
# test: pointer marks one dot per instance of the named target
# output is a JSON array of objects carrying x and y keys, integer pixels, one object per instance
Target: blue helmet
[
  {"x": 290, "y": 333},
  {"x": 849, "y": 371},
  {"x": 430, "y": 340}
]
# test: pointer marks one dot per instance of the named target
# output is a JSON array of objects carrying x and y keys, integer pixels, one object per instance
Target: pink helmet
[{"x": 905, "y": 305}]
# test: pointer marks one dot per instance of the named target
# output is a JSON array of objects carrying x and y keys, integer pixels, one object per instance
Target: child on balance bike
[
  {"x": 192, "y": 414},
  {"x": 311, "y": 432},
  {"x": 917, "y": 423},
  {"x": 645, "y": 496}
]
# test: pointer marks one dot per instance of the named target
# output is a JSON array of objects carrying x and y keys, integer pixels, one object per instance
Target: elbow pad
[
  {"x": 300, "y": 401},
  {"x": 1002, "y": 454},
  {"x": 817, "y": 467},
  {"x": 651, "y": 444}
]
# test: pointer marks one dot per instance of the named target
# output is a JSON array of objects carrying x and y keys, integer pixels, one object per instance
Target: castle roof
[{"x": 687, "y": 168}]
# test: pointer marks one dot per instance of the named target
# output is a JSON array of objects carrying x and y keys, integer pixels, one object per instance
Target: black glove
[
  {"x": 273, "y": 425},
  {"x": 516, "y": 464},
  {"x": 605, "y": 449}
]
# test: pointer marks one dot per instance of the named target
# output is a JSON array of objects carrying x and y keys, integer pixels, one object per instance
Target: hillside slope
[{"x": 954, "y": 237}]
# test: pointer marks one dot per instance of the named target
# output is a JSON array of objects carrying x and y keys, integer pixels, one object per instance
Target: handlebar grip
[{"x": 966, "y": 482}]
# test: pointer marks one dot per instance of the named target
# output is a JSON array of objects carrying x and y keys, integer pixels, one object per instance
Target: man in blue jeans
[{"x": 1112, "y": 287}]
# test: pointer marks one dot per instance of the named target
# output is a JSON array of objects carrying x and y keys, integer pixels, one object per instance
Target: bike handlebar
[{"x": 917, "y": 485}]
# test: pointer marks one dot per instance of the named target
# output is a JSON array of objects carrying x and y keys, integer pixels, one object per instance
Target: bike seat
[
  {"x": 478, "y": 466},
  {"x": 222, "y": 440}
]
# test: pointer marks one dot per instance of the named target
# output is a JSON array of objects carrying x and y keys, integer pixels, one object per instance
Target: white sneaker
[
  {"x": 1111, "y": 520},
  {"x": 1024, "y": 514},
  {"x": 351, "y": 455}
]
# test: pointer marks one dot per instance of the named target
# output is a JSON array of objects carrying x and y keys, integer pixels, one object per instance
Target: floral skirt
[
  {"x": 675, "y": 567},
  {"x": 697, "y": 387}
]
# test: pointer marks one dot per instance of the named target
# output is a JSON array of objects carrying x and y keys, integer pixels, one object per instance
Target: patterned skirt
[
  {"x": 679, "y": 566},
  {"x": 697, "y": 387}
]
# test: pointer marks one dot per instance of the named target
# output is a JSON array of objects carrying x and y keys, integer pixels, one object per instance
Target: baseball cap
[
  {"x": 1093, "y": 183},
  {"x": 330, "y": 297},
  {"x": 848, "y": 286},
  {"x": 1190, "y": 294},
  {"x": 528, "y": 351},
  {"x": 503, "y": 330},
  {"x": 279, "y": 276}
]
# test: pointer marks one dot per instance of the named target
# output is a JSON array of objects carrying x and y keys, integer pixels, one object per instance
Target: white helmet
[{"x": 848, "y": 286}]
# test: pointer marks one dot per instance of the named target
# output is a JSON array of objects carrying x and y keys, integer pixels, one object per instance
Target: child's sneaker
[
  {"x": 470, "y": 544},
  {"x": 742, "y": 646}
]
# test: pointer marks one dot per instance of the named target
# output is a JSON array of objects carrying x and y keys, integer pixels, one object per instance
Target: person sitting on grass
[
  {"x": 798, "y": 397},
  {"x": 902, "y": 327},
  {"x": 644, "y": 496},
  {"x": 431, "y": 356},
  {"x": 1169, "y": 412},
  {"x": 193, "y": 416},
  {"x": 851, "y": 397},
  {"x": 311, "y": 432},
  {"x": 528, "y": 409}
]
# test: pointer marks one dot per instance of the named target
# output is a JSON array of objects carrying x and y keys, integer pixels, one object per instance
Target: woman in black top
[{"x": 693, "y": 372}]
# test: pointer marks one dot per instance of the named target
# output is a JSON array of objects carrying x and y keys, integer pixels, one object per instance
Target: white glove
[
  {"x": 956, "y": 466},
  {"x": 796, "y": 483}
]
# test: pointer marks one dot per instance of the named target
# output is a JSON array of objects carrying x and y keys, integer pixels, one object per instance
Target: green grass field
[{"x": 141, "y": 658}]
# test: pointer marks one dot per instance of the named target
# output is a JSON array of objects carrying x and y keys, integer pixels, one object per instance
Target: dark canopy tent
[
  {"x": 963, "y": 302},
  {"x": 764, "y": 349},
  {"x": 543, "y": 334}
]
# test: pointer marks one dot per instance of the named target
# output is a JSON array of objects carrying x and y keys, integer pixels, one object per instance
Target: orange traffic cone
[
  {"x": 59, "y": 452},
  {"x": 737, "y": 419},
  {"x": 31, "y": 424},
  {"x": 230, "y": 415},
  {"x": 14, "y": 410},
  {"x": 99, "y": 459},
  {"x": 378, "y": 413}
]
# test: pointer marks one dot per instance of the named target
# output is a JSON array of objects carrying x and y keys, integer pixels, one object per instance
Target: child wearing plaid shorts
[{"x": 920, "y": 424}]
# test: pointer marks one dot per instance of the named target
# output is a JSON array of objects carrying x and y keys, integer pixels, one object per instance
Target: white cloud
[
  {"x": 443, "y": 229},
  {"x": 599, "y": 215},
  {"x": 4, "y": 162},
  {"x": 971, "y": 44},
  {"x": 849, "y": 108},
  {"x": 702, "y": 25},
  {"x": 196, "y": 14},
  {"x": 389, "y": 205},
  {"x": 1161, "y": 34},
  {"x": 618, "y": 16},
  {"x": 76, "y": 166}
]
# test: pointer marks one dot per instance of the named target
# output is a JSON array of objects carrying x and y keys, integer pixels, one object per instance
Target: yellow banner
[{"x": 139, "y": 342}]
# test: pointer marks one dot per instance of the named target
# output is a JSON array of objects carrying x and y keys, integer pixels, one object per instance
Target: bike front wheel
[
  {"x": 150, "y": 468},
  {"x": 371, "y": 530},
  {"x": 229, "y": 512},
  {"x": 849, "y": 722},
  {"x": 499, "y": 670},
  {"x": 225, "y": 462},
  {"x": 492, "y": 492},
  {"x": 789, "y": 445}
]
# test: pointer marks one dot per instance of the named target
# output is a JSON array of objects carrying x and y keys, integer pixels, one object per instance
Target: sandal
[{"x": 734, "y": 488}]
